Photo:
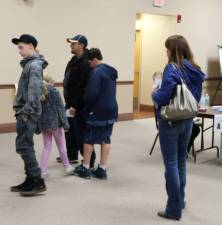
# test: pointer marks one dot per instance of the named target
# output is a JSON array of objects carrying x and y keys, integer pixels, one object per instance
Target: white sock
[
  {"x": 102, "y": 166},
  {"x": 86, "y": 166}
]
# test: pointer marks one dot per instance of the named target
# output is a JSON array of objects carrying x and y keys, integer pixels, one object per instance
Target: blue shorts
[{"x": 98, "y": 134}]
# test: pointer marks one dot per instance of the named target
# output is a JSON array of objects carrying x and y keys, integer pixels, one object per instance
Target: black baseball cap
[
  {"x": 78, "y": 39},
  {"x": 26, "y": 38}
]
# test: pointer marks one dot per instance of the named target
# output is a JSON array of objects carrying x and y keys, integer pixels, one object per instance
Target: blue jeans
[{"x": 174, "y": 139}]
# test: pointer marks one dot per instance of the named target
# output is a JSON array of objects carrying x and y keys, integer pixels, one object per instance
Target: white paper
[
  {"x": 68, "y": 113},
  {"x": 218, "y": 123}
]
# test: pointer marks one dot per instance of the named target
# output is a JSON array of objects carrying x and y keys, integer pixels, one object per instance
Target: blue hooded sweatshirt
[
  {"x": 171, "y": 78},
  {"x": 100, "y": 96}
]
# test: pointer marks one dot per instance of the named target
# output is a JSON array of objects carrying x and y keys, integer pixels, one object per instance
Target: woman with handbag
[{"x": 177, "y": 101}]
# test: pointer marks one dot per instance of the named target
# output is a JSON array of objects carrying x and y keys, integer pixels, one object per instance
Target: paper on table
[
  {"x": 217, "y": 108},
  {"x": 218, "y": 123}
]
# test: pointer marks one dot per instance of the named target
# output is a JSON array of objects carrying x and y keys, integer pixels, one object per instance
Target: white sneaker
[
  {"x": 69, "y": 170},
  {"x": 45, "y": 175}
]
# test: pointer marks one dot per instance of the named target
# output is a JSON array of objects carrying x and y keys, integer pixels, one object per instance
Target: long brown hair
[{"x": 179, "y": 50}]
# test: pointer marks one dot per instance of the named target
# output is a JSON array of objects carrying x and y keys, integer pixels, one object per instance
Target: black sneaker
[
  {"x": 81, "y": 171},
  {"x": 71, "y": 161},
  {"x": 19, "y": 187},
  {"x": 33, "y": 187},
  {"x": 100, "y": 173}
]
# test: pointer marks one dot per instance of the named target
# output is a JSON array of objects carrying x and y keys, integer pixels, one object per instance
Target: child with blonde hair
[
  {"x": 53, "y": 121},
  {"x": 157, "y": 79}
]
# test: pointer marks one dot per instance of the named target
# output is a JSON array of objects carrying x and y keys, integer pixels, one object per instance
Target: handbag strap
[
  {"x": 177, "y": 68},
  {"x": 181, "y": 75}
]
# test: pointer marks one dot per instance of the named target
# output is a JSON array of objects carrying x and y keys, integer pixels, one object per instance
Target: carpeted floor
[{"x": 132, "y": 195}]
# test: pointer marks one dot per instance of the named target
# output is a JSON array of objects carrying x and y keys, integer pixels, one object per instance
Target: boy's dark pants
[{"x": 25, "y": 146}]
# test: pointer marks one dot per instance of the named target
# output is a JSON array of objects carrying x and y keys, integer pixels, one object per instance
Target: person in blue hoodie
[
  {"x": 175, "y": 136},
  {"x": 101, "y": 113}
]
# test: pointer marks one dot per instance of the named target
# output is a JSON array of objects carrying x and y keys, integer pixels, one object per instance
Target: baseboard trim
[
  {"x": 146, "y": 108},
  {"x": 11, "y": 127},
  {"x": 7, "y": 128},
  {"x": 125, "y": 117}
]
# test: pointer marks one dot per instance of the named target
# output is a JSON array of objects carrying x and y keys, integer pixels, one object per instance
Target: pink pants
[{"x": 47, "y": 140}]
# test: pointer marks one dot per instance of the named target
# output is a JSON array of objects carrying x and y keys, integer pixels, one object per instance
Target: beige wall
[
  {"x": 6, "y": 100},
  {"x": 201, "y": 22},
  {"x": 124, "y": 96},
  {"x": 109, "y": 25},
  {"x": 106, "y": 26}
]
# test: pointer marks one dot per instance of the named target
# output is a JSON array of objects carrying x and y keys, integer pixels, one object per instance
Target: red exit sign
[{"x": 158, "y": 3}]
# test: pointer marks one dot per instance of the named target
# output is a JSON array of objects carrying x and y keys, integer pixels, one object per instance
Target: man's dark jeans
[
  {"x": 174, "y": 139},
  {"x": 25, "y": 146},
  {"x": 71, "y": 140},
  {"x": 80, "y": 131}
]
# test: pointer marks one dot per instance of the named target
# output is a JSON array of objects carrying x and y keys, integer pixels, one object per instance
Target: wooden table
[{"x": 209, "y": 114}]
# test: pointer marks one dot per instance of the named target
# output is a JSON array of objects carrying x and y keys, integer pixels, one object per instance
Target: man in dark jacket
[
  {"x": 75, "y": 81},
  {"x": 27, "y": 107},
  {"x": 101, "y": 113}
]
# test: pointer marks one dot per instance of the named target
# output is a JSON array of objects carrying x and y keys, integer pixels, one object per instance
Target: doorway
[{"x": 151, "y": 31}]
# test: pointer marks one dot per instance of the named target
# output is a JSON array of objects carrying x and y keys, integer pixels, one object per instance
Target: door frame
[{"x": 140, "y": 64}]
